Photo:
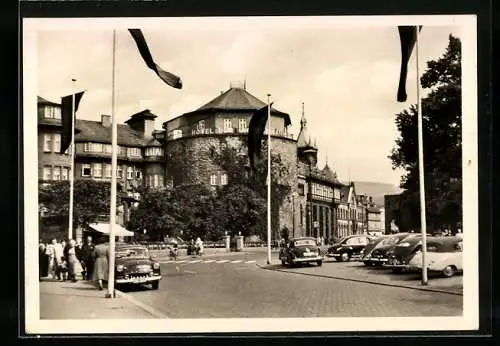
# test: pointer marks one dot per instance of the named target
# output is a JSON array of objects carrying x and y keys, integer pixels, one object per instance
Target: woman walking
[
  {"x": 74, "y": 266},
  {"x": 100, "y": 257}
]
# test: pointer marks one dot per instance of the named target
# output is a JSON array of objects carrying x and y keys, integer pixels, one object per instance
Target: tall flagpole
[
  {"x": 268, "y": 180},
  {"x": 112, "y": 213},
  {"x": 72, "y": 165},
  {"x": 423, "y": 226}
]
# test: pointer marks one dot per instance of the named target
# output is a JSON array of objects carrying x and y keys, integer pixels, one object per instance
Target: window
[
  {"x": 56, "y": 173},
  {"x": 108, "y": 148},
  {"x": 107, "y": 170},
  {"x": 64, "y": 173},
  {"x": 86, "y": 170},
  {"x": 47, "y": 172},
  {"x": 176, "y": 134},
  {"x": 154, "y": 152},
  {"x": 228, "y": 126},
  {"x": 119, "y": 172},
  {"x": 93, "y": 147},
  {"x": 213, "y": 179},
  {"x": 52, "y": 112},
  {"x": 47, "y": 142},
  {"x": 201, "y": 125},
  {"x": 138, "y": 174},
  {"x": 223, "y": 179},
  {"x": 134, "y": 152},
  {"x": 97, "y": 170},
  {"x": 57, "y": 142},
  {"x": 301, "y": 189},
  {"x": 242, "y": 125},
  {"x": 130, "y": 173}
]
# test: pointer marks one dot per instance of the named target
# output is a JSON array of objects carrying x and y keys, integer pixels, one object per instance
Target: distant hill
[{"x": 376, "y": 190}]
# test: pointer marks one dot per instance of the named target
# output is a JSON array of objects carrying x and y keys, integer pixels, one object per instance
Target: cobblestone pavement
[
  {"x": 358, "y": 271},
  {"x": 225, "y": 290}
]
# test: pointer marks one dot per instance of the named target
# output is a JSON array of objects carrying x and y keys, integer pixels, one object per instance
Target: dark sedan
[
  {"x": 402, "y": 253},
  {"x": 349, "y": 247},
  {"x": 134, "y": 266},
  {"x": 378, "y": 255},
  {"x": 301, "y": 250}
]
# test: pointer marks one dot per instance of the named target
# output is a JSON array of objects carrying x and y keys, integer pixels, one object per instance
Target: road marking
[
  {"x": 195, "y": 261},
  {"x": 189, "y": 272},
  {"x": 143, "y": 306},
  {"x": 237, "y": 261},
  {"x": 222, "y": 261},
  {"x": 180, "y": 262},
  {"x": 209, "y": 261},
  {"x": 250, "y": 261}
]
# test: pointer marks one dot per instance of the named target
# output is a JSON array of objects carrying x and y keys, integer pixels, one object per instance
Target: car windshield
[
  {"x": 305, "y": 242},
  {"x": 132, "y": 252}
]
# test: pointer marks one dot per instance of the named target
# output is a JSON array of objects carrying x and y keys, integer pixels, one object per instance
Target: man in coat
[{"x": 86, "y": 258}]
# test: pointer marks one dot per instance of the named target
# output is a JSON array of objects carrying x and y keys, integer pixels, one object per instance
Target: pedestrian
[
  {"x": 74, "y": 266},
  {"x": 43, "y": 262},
  {"x": 101, "y": 258},
  {"x": 199, "y": 246},
  {"x": 87, "y": 259}
]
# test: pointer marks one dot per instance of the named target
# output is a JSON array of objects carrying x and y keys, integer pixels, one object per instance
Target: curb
[
  {"x": 143, "y": 306},
  {"x": 363, "y": 281}
]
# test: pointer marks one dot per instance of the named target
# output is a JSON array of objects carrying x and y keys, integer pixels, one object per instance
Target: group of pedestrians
[{"x": 66, "y": 260}]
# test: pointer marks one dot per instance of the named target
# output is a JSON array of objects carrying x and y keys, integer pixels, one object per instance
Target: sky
[{"x": 346, "y": 76}]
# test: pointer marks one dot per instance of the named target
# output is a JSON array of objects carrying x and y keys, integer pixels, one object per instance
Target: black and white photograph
[{"x": 250, "y": 174}]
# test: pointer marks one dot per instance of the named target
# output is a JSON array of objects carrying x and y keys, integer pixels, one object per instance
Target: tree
[
  {"x": 91, "y": 200},
  {"x": 442, "y": 128},
  {"x": 248, "y": 190}
]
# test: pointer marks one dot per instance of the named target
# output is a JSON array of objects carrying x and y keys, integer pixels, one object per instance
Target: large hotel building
[{"x": 318, "y": 203}]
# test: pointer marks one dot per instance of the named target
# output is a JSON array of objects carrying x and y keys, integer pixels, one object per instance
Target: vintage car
[
  {"x": 444, "y": 255},
  {"x": 349, "y": 247},
  {"x": 400, "y": 255},
  {"x": 134, "y": 266},
  {"x": 301, "y": 250},
  {"x": 378, "y": 255},
  {"x": 365, "y": 254}
]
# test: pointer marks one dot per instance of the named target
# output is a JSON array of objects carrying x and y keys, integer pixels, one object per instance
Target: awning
[{"x": 104, "y": 228}]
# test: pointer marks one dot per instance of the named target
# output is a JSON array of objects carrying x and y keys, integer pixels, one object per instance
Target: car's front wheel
[
  {"x": 397, "y": 270},
  {"x": 155, "y": 285},
  {"x": 283, "y": 262},
  {"x": 449, "y": 271},
  {"x": 319, "y": 263},
  {"x": 344, "y": 257}
]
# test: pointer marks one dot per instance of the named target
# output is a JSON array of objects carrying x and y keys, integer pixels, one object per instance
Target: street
[{"x": 235, "y": 287}]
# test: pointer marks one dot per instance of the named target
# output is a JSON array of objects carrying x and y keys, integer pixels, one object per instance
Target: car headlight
[
  {"x": 405, "y": 244},
  {"x": 368, "y": 256},
  {"x": 362, "y": 251},
  {"x": 119, "y": 268},
  {"x": 156, "y": 265}
]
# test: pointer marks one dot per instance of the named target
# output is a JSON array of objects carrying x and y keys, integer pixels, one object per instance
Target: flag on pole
[
  {"x": 255, "y": 135},
  {"x": 408, "y": 38},
  {"x": 67, "y": 119},
  {"x": 165, "y": 76}
]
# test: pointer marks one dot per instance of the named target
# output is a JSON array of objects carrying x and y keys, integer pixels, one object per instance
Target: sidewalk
[
  {"x": 82, "y": 300},
  {"x": 356, "y": 271}
]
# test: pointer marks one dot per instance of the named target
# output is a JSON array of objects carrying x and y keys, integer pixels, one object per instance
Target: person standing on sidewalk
[
  {"x": 101, "y": 257},
  {"x": 87, "y": 259},
  {"x": 43, "y": 261},
  {"x": 73, "y": 262}
]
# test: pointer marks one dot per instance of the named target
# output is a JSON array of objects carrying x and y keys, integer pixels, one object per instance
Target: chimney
[{"x": 106, "y": 120}]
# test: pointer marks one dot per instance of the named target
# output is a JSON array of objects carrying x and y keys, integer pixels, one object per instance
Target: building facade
[{"x": 317, "y": 205}]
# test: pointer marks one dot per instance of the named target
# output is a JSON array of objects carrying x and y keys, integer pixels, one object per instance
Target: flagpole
[
  {"x": 112, "y": 213},
  {"x": 72, "y": 165},
  {"x": 423, "y": 226},
  {"x": 268, "y": 180}
]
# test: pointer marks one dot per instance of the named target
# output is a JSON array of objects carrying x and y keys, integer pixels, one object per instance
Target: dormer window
[
  {"x": 134, "y": 152},
  {"x": 154, "y": 151},
  {"x": 201, "y": 125},
  {"x": 176, "y": 134},
  {"x": 51, "y": 112}
]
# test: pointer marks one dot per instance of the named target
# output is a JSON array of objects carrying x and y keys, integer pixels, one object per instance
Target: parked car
[
  {"x": 444, "y": 255},
  {"x": 349, "y": 247},
  {"x": 301, "y": 250},
  {"x": 400, "y": 255},
  {"x": 365, "y": 254},
  {"x": 378, "y": 255},
  {"x": 134, "y": 266}
]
